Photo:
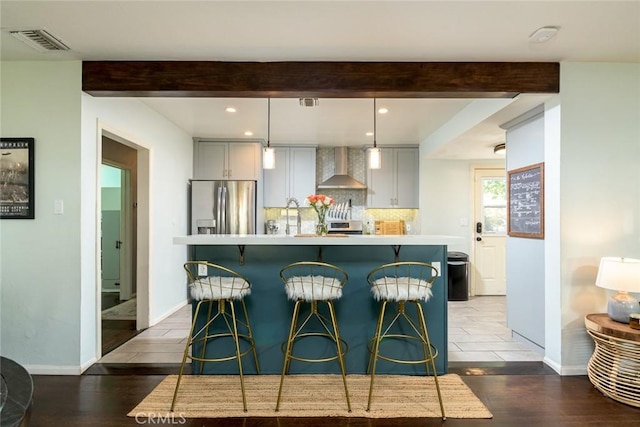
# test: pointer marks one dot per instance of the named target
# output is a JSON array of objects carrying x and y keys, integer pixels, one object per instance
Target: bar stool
[
  {"x": 217, "y": 289},
  {"x": 313, "y": 282},
  {"x": 403, "y": 282}
]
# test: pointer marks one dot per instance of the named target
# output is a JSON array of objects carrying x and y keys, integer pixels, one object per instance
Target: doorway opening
[
  {"x": 117, "y": 254},
  {"x": 478, "y": 330},
  {"x": 122, "y": 294}
]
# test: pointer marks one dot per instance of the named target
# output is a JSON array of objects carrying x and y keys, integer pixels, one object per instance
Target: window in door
[{"x": 494, "y": 205}]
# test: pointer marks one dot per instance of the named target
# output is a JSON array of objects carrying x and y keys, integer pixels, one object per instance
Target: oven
[{"x": 344, "y": 227}]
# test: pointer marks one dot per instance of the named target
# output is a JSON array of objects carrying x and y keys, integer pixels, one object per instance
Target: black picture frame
[
  {"x": 17, "y": 178},
  {"x": 525, "y": 210}
]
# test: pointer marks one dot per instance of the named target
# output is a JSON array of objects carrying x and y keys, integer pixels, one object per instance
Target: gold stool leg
[
  {"x": 185, "y": 355},
  {"x": 251, "y": 340},
  {"x": 238, "y": 356},
  {"x": 339, "y": 349},
  {"x": 206, "y": 337},
  {"x": 287, "y": 354},
  {"x": 423, "y": 326},
  {"x": 376, "y": 349}
]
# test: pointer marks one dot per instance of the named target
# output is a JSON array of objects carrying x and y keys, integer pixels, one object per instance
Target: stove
[{"x": 338, "y": 226}]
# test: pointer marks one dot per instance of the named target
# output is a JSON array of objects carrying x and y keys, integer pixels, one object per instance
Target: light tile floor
[{"x": 477, "y": 333}]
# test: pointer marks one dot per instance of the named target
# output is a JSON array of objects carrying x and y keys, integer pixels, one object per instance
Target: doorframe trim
[{"x": 142, "y": 269}]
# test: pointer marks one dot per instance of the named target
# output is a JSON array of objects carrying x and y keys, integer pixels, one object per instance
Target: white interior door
[
  {"x": 110, "y": 251},
  {"x": 490, "y": 229},
  {"x": 126, "y": 248}
]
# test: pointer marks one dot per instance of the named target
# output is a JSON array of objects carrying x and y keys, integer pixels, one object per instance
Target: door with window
[{"x": 490, "y": 230}]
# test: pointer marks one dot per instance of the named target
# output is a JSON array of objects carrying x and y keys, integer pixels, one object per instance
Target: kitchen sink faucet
[{"x": 298, "y": 219}]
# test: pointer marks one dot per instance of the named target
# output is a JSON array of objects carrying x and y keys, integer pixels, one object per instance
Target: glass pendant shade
[
  {"x": 268, "y": 158},
  {"x": 375, "y": 158}
]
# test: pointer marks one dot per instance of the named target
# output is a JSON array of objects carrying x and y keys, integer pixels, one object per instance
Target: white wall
[
  {"x": 48, "y": 265},
  {"x": 171, "y": 163},
  {"x": 526, "y": 257},
  {"x": 40, "y": 258},
  {"x": 446, "y": 197},
  {"x": 599, "y": 190}
]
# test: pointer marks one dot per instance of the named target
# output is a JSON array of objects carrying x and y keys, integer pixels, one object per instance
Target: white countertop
[{"x": 265, "y": 239}]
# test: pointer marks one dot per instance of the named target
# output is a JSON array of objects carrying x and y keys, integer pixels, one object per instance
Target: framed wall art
[
  {"x": 17, "y": 173},
  {"x": 525, "y": 215}
]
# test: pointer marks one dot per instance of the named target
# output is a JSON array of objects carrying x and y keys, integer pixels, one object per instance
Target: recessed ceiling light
[
  {"x": 543, "y": 34},
  {"x": 230, "y": 109},
  {"x": 369, "y": 134},
  {"x": 248, "y": 133},
  {"x": 383, "y": 110}
]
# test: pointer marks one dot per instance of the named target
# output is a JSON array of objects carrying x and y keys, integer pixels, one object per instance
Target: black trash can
[{"x": 458, "y": 270}]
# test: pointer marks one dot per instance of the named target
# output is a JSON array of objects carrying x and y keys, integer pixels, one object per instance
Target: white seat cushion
[
  {"x": 310, "y": 288},
  {"x": 218, "y": 287},
  {"x": 401, "y": 289}
]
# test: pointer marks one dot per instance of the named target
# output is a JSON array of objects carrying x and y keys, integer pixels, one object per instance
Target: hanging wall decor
[{"x": 17, "y": 199}]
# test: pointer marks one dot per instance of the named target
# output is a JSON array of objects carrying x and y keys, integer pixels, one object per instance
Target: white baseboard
[
  {"x": 86, "y": 365},
  {"x": 565, "y": 370},
  {"x": 552, "y": 364},
  {"x": 527, "y": 342},
  {"x": 169, "y": 312},
  {"x": 53, "y": 370},
  {"x": 574, "y": 370}
]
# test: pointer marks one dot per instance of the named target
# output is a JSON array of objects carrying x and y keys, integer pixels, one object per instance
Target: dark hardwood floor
[
  {"x": 115, "y": 332},
  {"x": 518, "y": 394}
]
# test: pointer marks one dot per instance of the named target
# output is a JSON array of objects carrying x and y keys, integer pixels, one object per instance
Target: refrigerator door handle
[
  {"x": 219, "y": 224},
  {"x": 224, "y": 210}
]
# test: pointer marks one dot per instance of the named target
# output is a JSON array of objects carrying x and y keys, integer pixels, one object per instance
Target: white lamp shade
[
  {"x": 375, "y": 158},
  {"x": 268, "y": 158},
  {"x": 620, "y": 274}
]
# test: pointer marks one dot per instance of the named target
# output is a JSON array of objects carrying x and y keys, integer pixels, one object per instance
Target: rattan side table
[{"x": 614, "y": 367}]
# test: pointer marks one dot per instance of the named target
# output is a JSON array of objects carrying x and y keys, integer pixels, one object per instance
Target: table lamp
[{"x": 622, "y": 275}]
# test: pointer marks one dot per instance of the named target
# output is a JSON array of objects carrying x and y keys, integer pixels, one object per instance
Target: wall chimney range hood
[{"x": 340, "y": 179}]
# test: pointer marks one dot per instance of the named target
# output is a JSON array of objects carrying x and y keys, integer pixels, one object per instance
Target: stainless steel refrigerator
[{"x": 223, "y": 207}]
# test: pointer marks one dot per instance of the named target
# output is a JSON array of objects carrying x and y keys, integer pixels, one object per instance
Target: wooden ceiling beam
[{"x": 319, "y": 79}]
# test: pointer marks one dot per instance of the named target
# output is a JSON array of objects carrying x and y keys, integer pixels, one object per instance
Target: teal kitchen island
[{"x": 261, "y": 257}]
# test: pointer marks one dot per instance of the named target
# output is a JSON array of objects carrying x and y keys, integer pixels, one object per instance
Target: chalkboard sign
[{"x": 526, "y": 202}]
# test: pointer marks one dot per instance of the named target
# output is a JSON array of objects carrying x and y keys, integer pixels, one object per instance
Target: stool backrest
[
  {"x": 407, "y": 280},
  {"x": 310, "y": 280},
  {"x": 213, "y": 281}
]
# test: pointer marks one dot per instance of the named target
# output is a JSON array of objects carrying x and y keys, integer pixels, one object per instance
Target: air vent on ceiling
[
  {"x": 309, "y": 102},
  {"x": 40, "y": 40}
]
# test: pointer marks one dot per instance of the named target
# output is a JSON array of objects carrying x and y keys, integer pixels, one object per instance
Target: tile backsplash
[{"x": 325, "y": 160}]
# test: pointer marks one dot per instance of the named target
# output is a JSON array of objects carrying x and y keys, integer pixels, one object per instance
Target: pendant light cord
[
  {"x": 268, "y": 122},
  {"x": 375, "y": 130}
]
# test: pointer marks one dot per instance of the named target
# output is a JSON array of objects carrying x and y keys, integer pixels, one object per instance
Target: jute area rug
[{"x": 219, "y": 396}]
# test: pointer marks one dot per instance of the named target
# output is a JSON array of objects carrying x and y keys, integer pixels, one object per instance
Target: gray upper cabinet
[
  {"x": 227, "y": 160},
  {"x": 293, "y": 176},
  {"x": 395, "y": 184}
]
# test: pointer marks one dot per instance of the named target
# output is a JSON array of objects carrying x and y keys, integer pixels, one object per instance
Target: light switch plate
[
  {"x": 202, "y": 270},
  {"x": 58, "y": 207},
  {"x": 437, "y": 265}
]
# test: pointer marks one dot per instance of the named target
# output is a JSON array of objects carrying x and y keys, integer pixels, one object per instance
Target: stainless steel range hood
[{"x": 340, "y": 179}]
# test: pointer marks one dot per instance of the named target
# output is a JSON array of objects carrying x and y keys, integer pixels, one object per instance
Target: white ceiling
[{"x": 334, "y": 31}]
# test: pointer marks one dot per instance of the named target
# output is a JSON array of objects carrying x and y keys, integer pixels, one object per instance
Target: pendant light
[
  {"x": 375, "y": 156},
  {"x": 268, "y": 157}
]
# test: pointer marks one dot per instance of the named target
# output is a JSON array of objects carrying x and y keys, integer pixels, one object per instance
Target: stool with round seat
[
  {"x": 218, "y": 290},
  {"x": 309, "y": 283},
  {"x": 402, "y": 283}
]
